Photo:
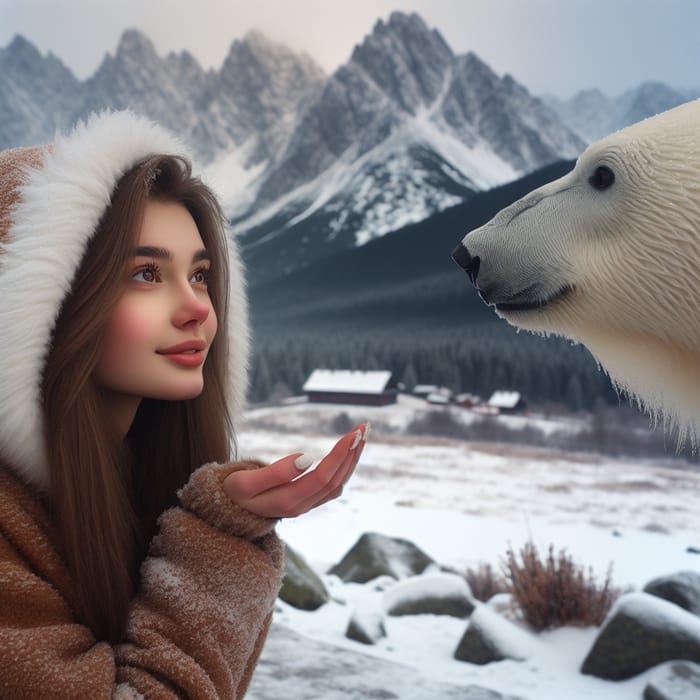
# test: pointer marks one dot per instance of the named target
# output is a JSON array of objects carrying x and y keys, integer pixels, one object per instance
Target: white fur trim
[{"x": 60, "y": 207}]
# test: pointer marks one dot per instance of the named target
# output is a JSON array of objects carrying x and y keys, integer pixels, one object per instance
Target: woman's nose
[{"x": 192, "y": 309}]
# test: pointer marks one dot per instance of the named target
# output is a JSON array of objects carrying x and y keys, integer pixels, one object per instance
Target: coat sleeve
[{"x": 195, "y": 628}]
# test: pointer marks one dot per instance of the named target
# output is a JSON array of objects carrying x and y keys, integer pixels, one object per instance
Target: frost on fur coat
[
  {"x": 196, "y": 626},
  {"x": 609, "y": 256},
  {"x": 195, "y": 629}
]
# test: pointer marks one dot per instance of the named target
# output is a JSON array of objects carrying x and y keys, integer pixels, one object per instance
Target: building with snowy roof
[
  {"x": 467, "y": 400},
  {"x": 441, "y": 396},
  {"x": 507, "y": 401},
  {"x": 423, "y": 390},
  {"x": 373, "y": 388}
]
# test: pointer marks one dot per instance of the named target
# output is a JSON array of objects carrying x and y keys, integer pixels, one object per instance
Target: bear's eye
[{"x": 602, "y": 178}]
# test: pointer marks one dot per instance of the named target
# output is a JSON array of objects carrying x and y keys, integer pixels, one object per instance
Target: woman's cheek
[{"x": 130, "y": 337}]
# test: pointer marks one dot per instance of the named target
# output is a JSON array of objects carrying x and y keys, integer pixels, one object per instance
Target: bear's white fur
[{"x": 616, "y": 268}]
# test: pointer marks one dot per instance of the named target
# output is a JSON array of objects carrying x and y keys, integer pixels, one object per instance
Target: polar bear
[{"x": 609, "y": 256}]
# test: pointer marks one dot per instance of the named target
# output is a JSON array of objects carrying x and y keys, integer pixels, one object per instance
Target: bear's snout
[{"x": 468, "y": 263}]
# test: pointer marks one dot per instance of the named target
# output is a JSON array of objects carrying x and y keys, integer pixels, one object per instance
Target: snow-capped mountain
[
  {"x": 308, "y": 164},
  {"x": 404, "y": 129},
  {"x": 137, "y": 78},
  {"x": 250, "y": 104},
  {"x": 37, "y": 95},
  {"x": 592, "y": 115}
]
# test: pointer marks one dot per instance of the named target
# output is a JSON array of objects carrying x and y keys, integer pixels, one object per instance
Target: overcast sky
[{"x": 557, "y": 46}]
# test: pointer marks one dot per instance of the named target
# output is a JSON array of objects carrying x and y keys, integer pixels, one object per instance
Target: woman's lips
[
  {"x": 185, "y": 359},
  {"x": 187, "y": 354}
]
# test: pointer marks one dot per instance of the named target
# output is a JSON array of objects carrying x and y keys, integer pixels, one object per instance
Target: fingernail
[
  {"x": 356, "y": 439},
  {"x": 303, "y": 462},
  {"x": 368, "y": 430}
]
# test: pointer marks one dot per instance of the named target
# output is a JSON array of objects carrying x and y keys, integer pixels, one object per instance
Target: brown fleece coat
[{"x": 195, "y": 627}]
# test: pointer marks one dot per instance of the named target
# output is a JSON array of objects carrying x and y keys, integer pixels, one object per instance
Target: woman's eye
[
  {"x": 200, "y": 276},
  {"x": 149, "y": 274}
]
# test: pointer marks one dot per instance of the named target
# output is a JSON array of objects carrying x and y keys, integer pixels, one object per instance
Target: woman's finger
[
  {"x": 250, "y": 483},
  {"x": 244, "y": 486},
  {"x": 324, "y": 491},
  {"x": 292, "y": 499}
]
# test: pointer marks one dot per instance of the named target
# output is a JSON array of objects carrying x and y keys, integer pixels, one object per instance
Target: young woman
[{"x": 137, "y": 557}]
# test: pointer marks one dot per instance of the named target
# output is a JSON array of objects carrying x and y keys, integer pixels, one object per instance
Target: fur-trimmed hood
[{"x": 51, "y": 201}]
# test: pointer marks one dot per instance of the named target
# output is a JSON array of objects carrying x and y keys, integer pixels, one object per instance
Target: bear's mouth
[{"x": 528, "y": 300}]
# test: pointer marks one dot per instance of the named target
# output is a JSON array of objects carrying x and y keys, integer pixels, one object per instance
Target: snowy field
[{"x": 463, "y": 504}]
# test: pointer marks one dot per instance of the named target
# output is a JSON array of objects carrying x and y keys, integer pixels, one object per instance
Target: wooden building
[
  {"x": 507, "y": 402},
  {"x": 375, "y": 388}
]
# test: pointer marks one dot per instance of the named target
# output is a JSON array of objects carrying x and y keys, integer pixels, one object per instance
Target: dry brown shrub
[
  {"x": 485, "y": 582},
  {"x": 555, "y": 591}
]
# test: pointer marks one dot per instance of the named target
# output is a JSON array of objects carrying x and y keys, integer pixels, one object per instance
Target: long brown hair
[{"x": 106, "y": 492}]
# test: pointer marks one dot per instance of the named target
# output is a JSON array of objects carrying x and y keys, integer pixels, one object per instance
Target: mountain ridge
[
  {"x": 592, "y": 114},
  {"x": 378, "y": 282},
  {"x": 307, "y": 164},
  {"x": 285, "y": 124}
]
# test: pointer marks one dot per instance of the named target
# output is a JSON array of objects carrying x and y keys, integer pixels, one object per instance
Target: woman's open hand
[{"x": 281, "y": 490}]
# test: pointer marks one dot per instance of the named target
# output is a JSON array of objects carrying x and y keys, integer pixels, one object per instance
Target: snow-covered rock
[
  {"x": 502, "y": 603},
  {"x": 376, "y": 555},
  {"x": 301, "y": 586},
  {"x": 415, "y": 488},
  {"x": 490, "y": 637},
  {"x": 366, "y": 625},
  {"x": 433, "y": 594},
  {"x": 674, "y": 680},
  {"x": 681, "y": 588},
  {"x": 640, "y": 632}
]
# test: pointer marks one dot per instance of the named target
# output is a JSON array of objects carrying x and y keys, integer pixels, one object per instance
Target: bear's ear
[{"x": 603, "y": 177}]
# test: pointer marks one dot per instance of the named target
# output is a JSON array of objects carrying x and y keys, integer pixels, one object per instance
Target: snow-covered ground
[{"x": 463, "y": 504}]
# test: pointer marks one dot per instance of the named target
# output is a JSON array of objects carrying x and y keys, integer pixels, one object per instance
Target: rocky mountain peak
[
  {"x": 135, "y": 61},
  {"x": 589, "y": 95},
  {"x": 38, "y": 95},
  {"x": 21, "y": 54},
  {"x": 19, "y": 45},
  {"x": 406, "y": 59},
  {"x": 135, "y": 45},
  {"x": 256, "y": 53},
  {"x": 267, "y": 77},
  {"x": 594, "y": 115},
  {"x": 185, "y": 64},
  {"x": 22, "y": 61}
]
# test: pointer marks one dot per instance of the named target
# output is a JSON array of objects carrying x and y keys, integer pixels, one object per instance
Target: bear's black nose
[{"x": 468, "y": 263}]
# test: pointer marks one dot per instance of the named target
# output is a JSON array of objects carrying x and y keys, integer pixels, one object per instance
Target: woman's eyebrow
[
  {"x": 147, "y": 251},
  {"x": 202, "y": 254}
]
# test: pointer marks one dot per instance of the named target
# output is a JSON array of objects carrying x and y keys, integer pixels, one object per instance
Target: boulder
[
  {"x": 674, "y": 680},
  {"x": 378, "y": 555},
  {"x": 490, "y": 637},
  {"x": 366, "y": 626},
  {"x": 301, "y": 586},
  {"x": 681, "y": 588},
  {"x": 433, "y": 594},
  {"x": 642, "y": 631},
  {"x": 503, "y": 604}
]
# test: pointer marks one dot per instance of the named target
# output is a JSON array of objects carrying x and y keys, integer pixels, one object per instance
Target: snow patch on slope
[{"x": 388, "y": 187}]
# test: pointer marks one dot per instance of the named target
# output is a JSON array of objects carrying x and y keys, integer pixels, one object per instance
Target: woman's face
[{"x": 160, "y": 331}]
